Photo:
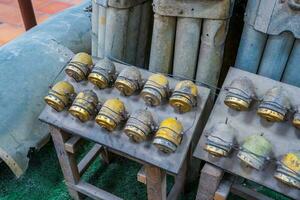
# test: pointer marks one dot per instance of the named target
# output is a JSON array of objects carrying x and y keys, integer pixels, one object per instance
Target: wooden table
[{"x": 66, "y": 131}]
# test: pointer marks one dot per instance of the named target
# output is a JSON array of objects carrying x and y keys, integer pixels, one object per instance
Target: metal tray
[
  {"x": 117, "y": 140},
  {"x": 283, "y": 136}
]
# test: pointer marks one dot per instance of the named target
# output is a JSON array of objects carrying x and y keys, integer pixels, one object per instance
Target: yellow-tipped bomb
[
  {"x": 240, "y": 94},
  {"x": 184, "y": 96},
  {"x": 129, "y": 81},
  {"x": 103, "y": 73},
  {"x": 288, "y": 169},
  {"x": 274, "y": 105},
  {"x": 139, "y": 125},
  {"x": 59, "y": 96},
  {"x": 155, "y": 90},
  {"x": 79, "y": 67},
  {"x": 111, "y": 114},
  {"x": 296, "y": 118},
  {"x": 84, "y": 106},
  {"x": 169, "y": 135}
]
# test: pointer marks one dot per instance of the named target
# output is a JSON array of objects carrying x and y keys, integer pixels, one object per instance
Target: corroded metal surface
[
  {"x": 283, "y": 136},
  {"x": 31, "y": 63},
  {"x": 118, "y": 141},
  {"x": 196, "y": 9}
]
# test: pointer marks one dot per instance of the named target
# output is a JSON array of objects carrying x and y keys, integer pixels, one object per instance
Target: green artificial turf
[{"x": 44, "y": 180}]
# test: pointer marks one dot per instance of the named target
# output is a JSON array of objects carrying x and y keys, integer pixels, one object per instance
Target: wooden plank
[
  {"x": 93, "y": 192},
  {"x": 179, "y": 183},
  {"x": 72, "y": 144},
  {"x": 209, "y": 181},
  {"x": 156, "y": 183},
  {"x": 224, "y": 188},
  {"x": 141, "y": 176},
  {"x": 247, "y": 193},
  {"x": 89, "y": 158},
  {"x": 67, "y": 161}
]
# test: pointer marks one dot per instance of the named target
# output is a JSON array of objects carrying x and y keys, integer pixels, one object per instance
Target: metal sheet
[
  {"x": 283, "y": 136},
  {"x": 31, "y": 62},
  {"x": 118, "y": 141},
  {"x": 206, "y": 9},
  {"x": 277, "y": 16},
  {"x": 122, "y": 4}
]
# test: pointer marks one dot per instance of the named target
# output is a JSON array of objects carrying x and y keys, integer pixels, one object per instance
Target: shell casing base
[
  {"x": 236, "y": 103},
  {"x": 99, "y": 80},
  {"x": 80, "y": 113},
  {"x": 270, "y": 115},
  {"x": 54, "y": 102},
  {"x": 182, "y": 102},
  {"x": 216, "y": 151},
  {"x": 106, "y": 122},
  {"x": 288, "y": 169},
  {"x": 135, "y": 133},
  {"x": 77, "y": 71},
  {"x": 164, "y": 145},
  {"x": 151, "y": 97},
  {"x": 251, "y": 160},
  {"x": 126, "y": 87},
  {"x": 296, "y": 123},
  {"x": 289, "y": 180}
]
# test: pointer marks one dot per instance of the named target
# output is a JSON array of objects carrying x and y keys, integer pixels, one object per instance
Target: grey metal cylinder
[
  {"x": 188, "y": 32},
  {"x": 276, "y": 54},
  {"x": 133, "y": 33},
  {"x": 143, "y": 50},
  {"x": 292, "y": 70},
  {"x": 211, "y": 51},
  {"x": 101, "y": 24},
  {"x": 116, "y": 32},
  {"x": 161, "y": 55},
  {"x": 252, "y": 45},
  {"x": 94, "y": 36}
]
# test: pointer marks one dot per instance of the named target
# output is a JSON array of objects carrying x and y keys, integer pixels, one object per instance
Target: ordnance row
[
  {"x": 109, "y": 115},
  {"x": 273, "y": 106},
  {"x": 154, "y": 90},
  {"x": 254, "y": 152}
]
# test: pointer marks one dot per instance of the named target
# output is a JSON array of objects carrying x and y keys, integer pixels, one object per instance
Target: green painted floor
[{"x": 43, "y": 179}]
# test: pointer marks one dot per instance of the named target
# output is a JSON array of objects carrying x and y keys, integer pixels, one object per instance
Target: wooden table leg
[
  {"x": 156, "y": 183},
  {"x": 209, "y": 181},
  {"x": 67, "y": 160},
  {"x": 179, "y": 184}
]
